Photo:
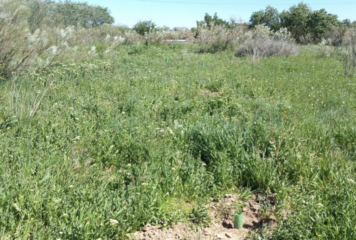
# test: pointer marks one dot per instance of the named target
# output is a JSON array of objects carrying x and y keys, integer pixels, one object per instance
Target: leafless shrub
[
  {"x": 334, "y": 36},
  {"x": 266, "y": 48},
  {"x": 159, "y": 36},
  {"x": 262, "y": 42},
  {"x": 107, "y": 33},
  {"x": 219, "y": 38},
  {"x": 167, "y": 35},
  {"x": 306, "y": 39}
]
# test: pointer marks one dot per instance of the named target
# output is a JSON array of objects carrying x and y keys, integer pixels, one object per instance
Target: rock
[
  {"x": 228, "y": 235},
  {"x": 207, "y": 232},
  {"x": 220, "y": 235},
  {"x": 254, "y": 207},
  {"x": 228, "y": 196},
  {"x": 146, "y": 228}
]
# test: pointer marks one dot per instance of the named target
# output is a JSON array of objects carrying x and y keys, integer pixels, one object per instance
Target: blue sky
[{"x": 185, "y": 13}]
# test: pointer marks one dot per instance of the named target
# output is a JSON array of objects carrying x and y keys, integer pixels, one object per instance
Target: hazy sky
[{"x": 185, "y": 13}]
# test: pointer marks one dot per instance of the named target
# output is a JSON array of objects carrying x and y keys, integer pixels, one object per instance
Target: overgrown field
[{"x": 98, "y": 149}]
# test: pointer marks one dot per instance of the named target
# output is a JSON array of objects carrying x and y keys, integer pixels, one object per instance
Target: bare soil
[{"x": 222, "y": 225}]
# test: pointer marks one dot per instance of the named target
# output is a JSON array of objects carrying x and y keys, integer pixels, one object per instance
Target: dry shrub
[
  {"x": 185, "y": 34},
  {"x": 166, "y": 35},
  {"x": 306, "y": 39},
  {"x": 334, "y": 36},
  {"x": 262, "y": 42},
  {"x": 349, "y": 54},
  {"x": 219, "y": 38},
  {"x": 266, "y": 48},
  {"x": 283, "y": 35},
  {"x": 106, "y": 32}
]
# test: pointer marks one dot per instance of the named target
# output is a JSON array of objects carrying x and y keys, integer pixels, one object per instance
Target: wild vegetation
[
  {"x": 105, "y": 130},
  {"x": 305, "y": 25}
]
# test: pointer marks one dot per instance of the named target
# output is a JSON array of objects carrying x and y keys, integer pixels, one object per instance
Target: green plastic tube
[{"x": 238, "y": 222}]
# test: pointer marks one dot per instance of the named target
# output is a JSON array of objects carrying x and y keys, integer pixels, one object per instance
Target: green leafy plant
[
  {"x": 238, "y": 206},
  {"x": 244, "y": 194},
  {"x": 199, "y": 216},
  {"x": 144, "y": 27}
]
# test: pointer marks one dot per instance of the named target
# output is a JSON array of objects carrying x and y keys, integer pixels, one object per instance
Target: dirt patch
[{"x": 257, "y": 213}]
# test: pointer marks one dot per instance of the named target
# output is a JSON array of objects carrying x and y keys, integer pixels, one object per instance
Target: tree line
[
  {"x": 66, "y": 13},
  {"x": 305, "y": 25}
]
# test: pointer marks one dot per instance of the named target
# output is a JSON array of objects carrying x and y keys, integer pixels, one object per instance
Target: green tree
[
  {"x": 269, "y": 17},
  {"x": 208, "y": 20},
  {"x": 346, "y": 22},
  {"x": 80, "y": 14},
  {"x": 143, "y": 27},
  {"x": 219, "y": 21},
  {"x": 296, "y": 20},
  {"x": 40, "y": 13},
  {"x": 257, "y": 18},
  {"x": 301, "y": 21},
  {"x": 319, "y": 23},
  {"x": 214, "y": 21},
  {"x": 98, "y": 16}
]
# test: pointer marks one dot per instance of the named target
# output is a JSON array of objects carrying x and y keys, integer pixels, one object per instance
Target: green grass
[{"x": 135, "y": 138}]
